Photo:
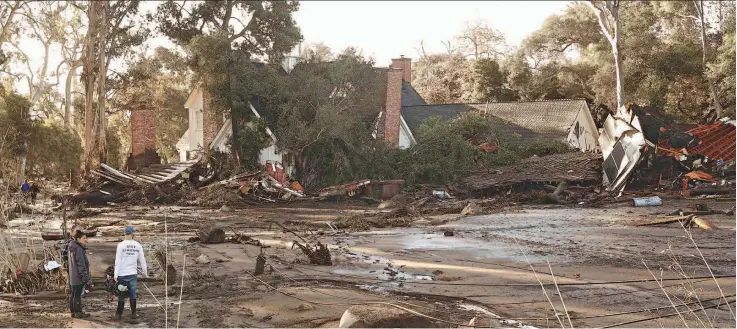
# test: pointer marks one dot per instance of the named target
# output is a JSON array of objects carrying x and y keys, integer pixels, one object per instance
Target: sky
[{"x": 388, "y": 29}]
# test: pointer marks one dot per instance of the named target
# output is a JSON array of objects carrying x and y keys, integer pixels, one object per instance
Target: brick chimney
[
  {"x": 393, "y": 106},
  {"x": 406, "y": 65},
  {"x": 143, "y": 138},
  {"x": 143, "y": 130}
]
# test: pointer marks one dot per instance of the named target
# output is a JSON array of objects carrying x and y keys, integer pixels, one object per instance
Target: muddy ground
[{"x": 482, "y": 269}]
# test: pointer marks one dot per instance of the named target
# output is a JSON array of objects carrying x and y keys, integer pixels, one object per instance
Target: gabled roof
[{"x": 549, "y": 118}]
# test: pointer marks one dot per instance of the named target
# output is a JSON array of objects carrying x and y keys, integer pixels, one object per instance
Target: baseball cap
[{"x": 129, "y": 230}]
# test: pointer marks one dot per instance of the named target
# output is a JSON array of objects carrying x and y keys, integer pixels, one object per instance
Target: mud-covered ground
[{"x": 483, "y": 268}]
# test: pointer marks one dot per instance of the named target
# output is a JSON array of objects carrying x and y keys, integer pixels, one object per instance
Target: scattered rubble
[
  {"x": 471, "y": 209},
  {"x": 687, "y": 221},
  {"x": 383, "y": 316},
  {"x": 202, "y": 259},
  {"x": 319, "y": 255}
]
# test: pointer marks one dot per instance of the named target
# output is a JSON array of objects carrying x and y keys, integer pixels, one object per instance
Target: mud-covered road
[{"x": 453, "y": 270}]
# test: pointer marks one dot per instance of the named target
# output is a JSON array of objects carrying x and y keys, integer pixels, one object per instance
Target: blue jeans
[{"x": 131, "y": 281}]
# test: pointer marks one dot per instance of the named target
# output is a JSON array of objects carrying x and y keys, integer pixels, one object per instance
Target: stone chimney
[
  {"x": 406, "y": 65},
  {"x": 393, "y": 106}
]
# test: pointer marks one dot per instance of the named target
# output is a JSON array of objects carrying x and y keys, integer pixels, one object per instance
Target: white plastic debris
[{"x": 52, "y": 264}]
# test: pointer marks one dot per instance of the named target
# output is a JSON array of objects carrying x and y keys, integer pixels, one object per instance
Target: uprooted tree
[{"x": 325, "y": 112}]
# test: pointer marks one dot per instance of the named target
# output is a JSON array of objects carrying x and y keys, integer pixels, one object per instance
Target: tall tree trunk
[
  {"x": 102, "y": 74},
  {"x": 704, "y": 58},
  {"x": 89, "y": 87},
  {"x": 611, "y": 30},
  {"x": 74, "y": 174},
  {"x": 618, "y": 64},
  {"x": 234, "y": 114},
  {"x": 68, "y": 98}
]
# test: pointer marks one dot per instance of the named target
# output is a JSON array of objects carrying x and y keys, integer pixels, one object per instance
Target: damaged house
[
  {"x": 567, "y": 121},
  {"x": 208, "y": 129}
]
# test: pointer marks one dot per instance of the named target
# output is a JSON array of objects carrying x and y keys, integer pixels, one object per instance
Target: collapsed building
[{"x": 641, "y": 145}]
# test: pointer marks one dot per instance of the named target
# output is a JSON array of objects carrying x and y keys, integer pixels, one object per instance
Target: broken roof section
[{"x": 717, "y": 141}]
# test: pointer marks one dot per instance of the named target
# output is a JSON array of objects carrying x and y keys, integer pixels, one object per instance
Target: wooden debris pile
[{"x": 555, "y": 168}]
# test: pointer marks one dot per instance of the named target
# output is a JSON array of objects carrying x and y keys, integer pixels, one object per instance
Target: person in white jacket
[{"x": 127, "y": 256}]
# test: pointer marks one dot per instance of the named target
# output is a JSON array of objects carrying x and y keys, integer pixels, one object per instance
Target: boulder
[
  {"x": 203, "y": 259},
  {"x": 305, "y": 307},
  {"x": 471, "y": 209},
  {"x": 225, "y": 208},
  {"x": 383, "y": 316},
  {"x": 485, "y": 321},
  {"x": 262, "y": 288},
  {"x": 211, "y": 234}
]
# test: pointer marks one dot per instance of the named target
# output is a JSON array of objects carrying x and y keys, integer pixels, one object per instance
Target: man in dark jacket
[
  {"x": 65, "y": 261},
  {"x": 79, "y": 272}
]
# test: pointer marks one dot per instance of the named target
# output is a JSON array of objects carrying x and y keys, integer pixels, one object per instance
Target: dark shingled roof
[
  {"x": 531, "y": 120},
  {"x": 410, "y": 96}
]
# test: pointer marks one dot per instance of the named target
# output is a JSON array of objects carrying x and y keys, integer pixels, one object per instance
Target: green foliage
[
  {"x": 323, "y": 115},
  {"x": 50, "y": 150},
  {"x": 158, "y": 82},
  {"x": 442, "y": 155},
  {"x": 253, "y": 139},
  {"x": 723, "y": 72},
  {"x": 491, "y": 82},
  {"x": 661, "y": 48}
]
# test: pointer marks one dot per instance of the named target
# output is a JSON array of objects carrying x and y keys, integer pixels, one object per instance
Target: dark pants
[
  {"x": 75, "y": 299},
  {"x": 132, "y": 282}
]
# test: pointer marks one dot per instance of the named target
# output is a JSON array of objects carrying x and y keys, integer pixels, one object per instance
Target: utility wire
[
  {"x": 630, "y": 312},
  {"x": 663, "y": 316}
]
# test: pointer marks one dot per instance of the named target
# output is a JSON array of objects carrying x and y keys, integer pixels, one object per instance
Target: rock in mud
[
  {"x": 203, "y": 259},
  {"x": 225, "y": 208},
  {"x": 305, "y": 307},
  {"x": 262, "y": 288},
  {"x": 485, "y": 321},
  {"x": 382, "y": 316},
  {"x": 211, "y": 234},
  {"x": 471, "y": 209}
]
